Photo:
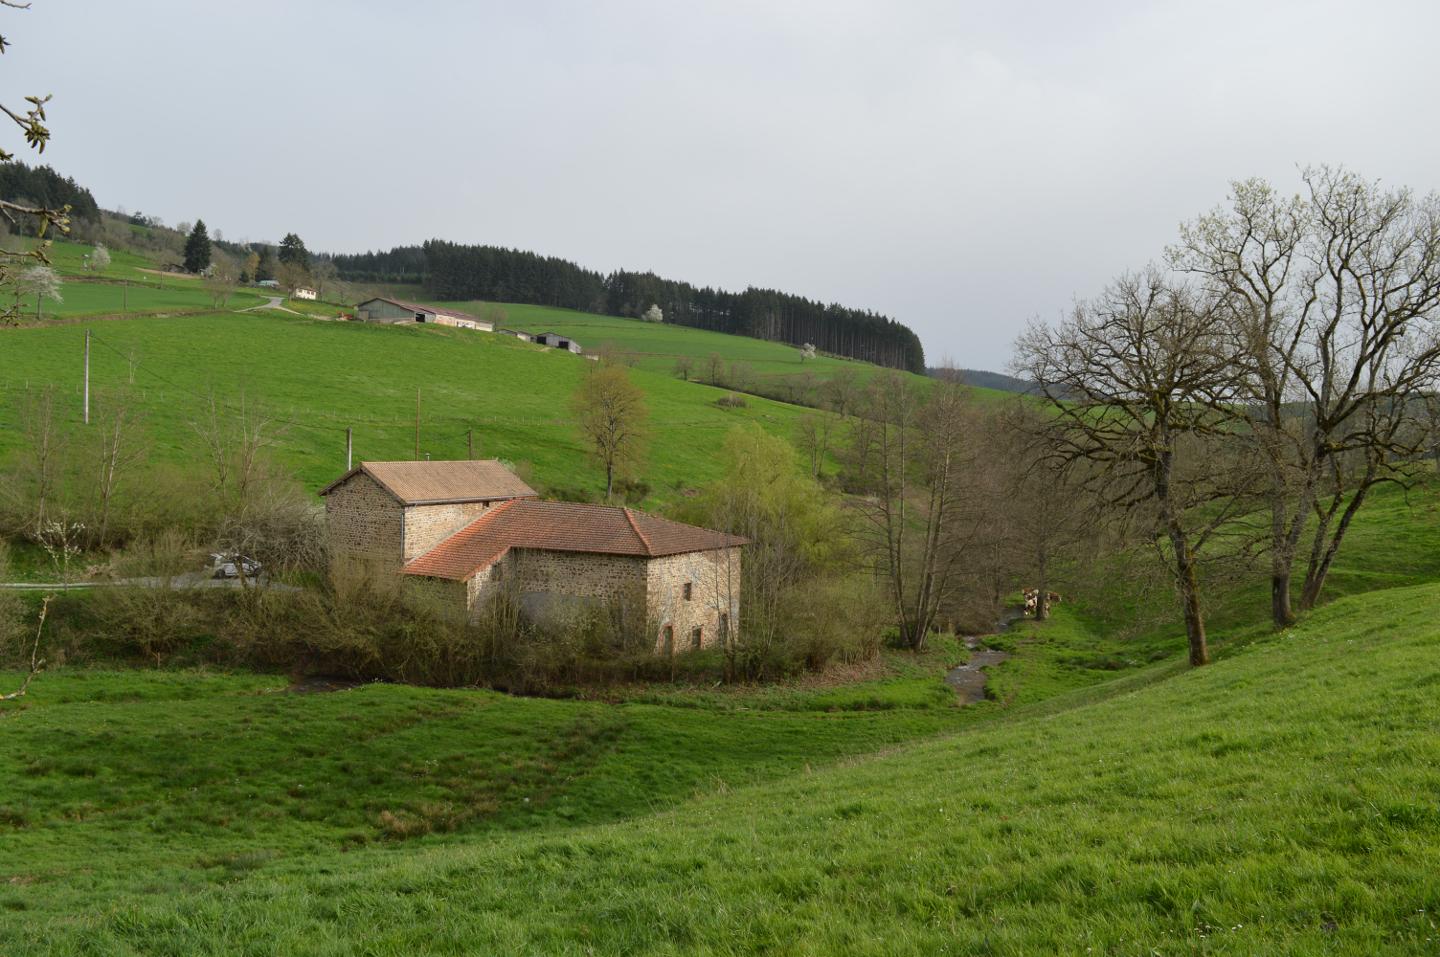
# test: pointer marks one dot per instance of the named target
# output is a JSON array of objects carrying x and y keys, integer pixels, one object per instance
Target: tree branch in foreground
[{"x": 37, "y": 664}]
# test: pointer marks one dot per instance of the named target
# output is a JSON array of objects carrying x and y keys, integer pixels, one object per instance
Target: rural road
[
  {"x": 179, "y": 581},
  {"x": 274, "y": 303}
]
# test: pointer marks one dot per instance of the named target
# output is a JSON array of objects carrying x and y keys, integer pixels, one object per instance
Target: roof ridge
[{"x": 635, "y": 527}]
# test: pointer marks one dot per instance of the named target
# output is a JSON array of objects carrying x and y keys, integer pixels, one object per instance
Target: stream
[{"x": 969, "y": 679}]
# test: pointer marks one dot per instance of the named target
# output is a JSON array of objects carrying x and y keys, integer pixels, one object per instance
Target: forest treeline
[
  {"x": 451, "y": 271},
  {"x": 42, "y": 186}
]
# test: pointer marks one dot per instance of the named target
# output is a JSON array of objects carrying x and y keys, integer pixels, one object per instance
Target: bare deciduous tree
[
  {"x": 714, "y": 368},
  {"x": 117, "y": 449},
  {"x": 841, "y": 391},
  {"x": 611, "y": 413},
  {"x": 1143, "y": 387},
  {"x": 1044, "y": 520},
  {"x": 40, "y": 467},
  {"x": 37, "y": 664},
  {"x": 815, "y": 430},
  {"x": 916, "y": 454},
  {"x": 237, "y": 441},
  {"x": 1337, "y": 316}
]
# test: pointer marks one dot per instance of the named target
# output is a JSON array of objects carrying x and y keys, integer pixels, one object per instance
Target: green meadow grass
[
  {"x": 122, "y": 288},
  {"x": 88, "y": 298},
  {"x": 656, "y": 346},
  {"x": 321, "y": 377},
  {"x": 68, "y": 258},
  {"x": 1283, "y": 800}
]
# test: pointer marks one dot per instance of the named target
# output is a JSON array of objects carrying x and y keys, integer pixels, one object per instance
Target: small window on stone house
[
  {"x": 497, "y": 573},
  {"x": 697, "y": 636},
  {"x": 688, "y": 590}
]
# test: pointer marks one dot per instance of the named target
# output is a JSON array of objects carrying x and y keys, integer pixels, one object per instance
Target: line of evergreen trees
[
  {"x": 450, "y": 271},
  {"x": 42, "y": 186}
]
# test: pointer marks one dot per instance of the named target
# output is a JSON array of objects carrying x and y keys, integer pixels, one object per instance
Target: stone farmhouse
[
  {"x": 468, "y": 530},
  {"x": 394, "y": 311}
]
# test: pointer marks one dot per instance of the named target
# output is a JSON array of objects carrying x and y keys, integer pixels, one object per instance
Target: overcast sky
[{"x": 961, "y": 167}]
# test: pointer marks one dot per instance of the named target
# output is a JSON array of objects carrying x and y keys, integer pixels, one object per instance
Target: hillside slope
[
  {"x": 318, "y": 378},
  {"x": 1283, "y": 800}
]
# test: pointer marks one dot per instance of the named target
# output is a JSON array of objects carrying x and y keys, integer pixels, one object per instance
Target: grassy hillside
[
  {"x": 131, "y": 284},
  {"x": 320, "y": 377},
  {"x": 1281, "y": 800},
  {"x": 657, "y": 347}
]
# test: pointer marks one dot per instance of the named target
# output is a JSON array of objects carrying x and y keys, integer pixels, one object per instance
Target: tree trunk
[
  {"x": 609, "y": 481},
  {"x": 1042, "y": 599},
  {"x": 1188, "y": 583},
  {"x": 1320, "y": 570},
  {"x": 1194, "y": 619},
  {"x": 1281, "y": 613}
]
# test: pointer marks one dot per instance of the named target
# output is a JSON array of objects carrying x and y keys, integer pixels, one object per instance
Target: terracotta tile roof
[
  {"x": 562, "y": 527},
  {"x": 433, "y": 483}
]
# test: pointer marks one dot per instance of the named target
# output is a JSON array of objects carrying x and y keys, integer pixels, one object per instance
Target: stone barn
[{"x": 470, "y": 529}]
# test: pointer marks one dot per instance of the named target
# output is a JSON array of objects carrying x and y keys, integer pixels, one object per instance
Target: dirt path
[{"x": 969, "y": 679}]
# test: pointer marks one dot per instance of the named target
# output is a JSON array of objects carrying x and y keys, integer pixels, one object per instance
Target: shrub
[
  {"x": 731, "y": 400},
  {"x": 151, "y": 622}
]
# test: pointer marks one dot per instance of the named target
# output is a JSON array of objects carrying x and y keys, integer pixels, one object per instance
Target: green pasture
[{"x": 316, "y": 378}]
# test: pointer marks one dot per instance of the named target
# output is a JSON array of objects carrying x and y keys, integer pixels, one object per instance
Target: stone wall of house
[
  {"x": 363, "y": 523},
  {"x": 484, "y": 585},
  {"x": 428, "y": 525},
  {"x": 552, "y": 584},
  {"x": 713, "y": 604}
]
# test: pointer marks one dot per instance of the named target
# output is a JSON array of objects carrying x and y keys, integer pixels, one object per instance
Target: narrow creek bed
[{"x": 969, "y": 679}]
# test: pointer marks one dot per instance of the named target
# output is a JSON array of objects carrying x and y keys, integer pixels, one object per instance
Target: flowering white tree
[
  {"x": 807, "y": 351},
  {"x": 653, "y": 314},
  {"x": 99, "y": 257},
  {"x": 43, "y": 283}
]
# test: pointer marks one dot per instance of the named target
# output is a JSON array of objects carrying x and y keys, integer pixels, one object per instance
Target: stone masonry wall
[
  {"x": 363, "y": 523},
  {"x": 714, "y": 580},
  {"x": 550, "y": 583},
  {"x": 426, "y": 526}
]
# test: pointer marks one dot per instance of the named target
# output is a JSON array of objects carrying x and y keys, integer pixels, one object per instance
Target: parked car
[{"x": 231, "y": 566}]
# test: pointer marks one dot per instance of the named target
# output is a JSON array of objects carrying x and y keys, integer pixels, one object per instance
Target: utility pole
[
  {"x": 87, "y": 376},
  {"x": 470, "y": 443},
  {"x": 349, "y": 447},
  {"x": 417, "y": 423}
]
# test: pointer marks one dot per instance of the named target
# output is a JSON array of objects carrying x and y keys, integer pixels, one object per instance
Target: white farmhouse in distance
[{"x": 303, "y": 292}]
